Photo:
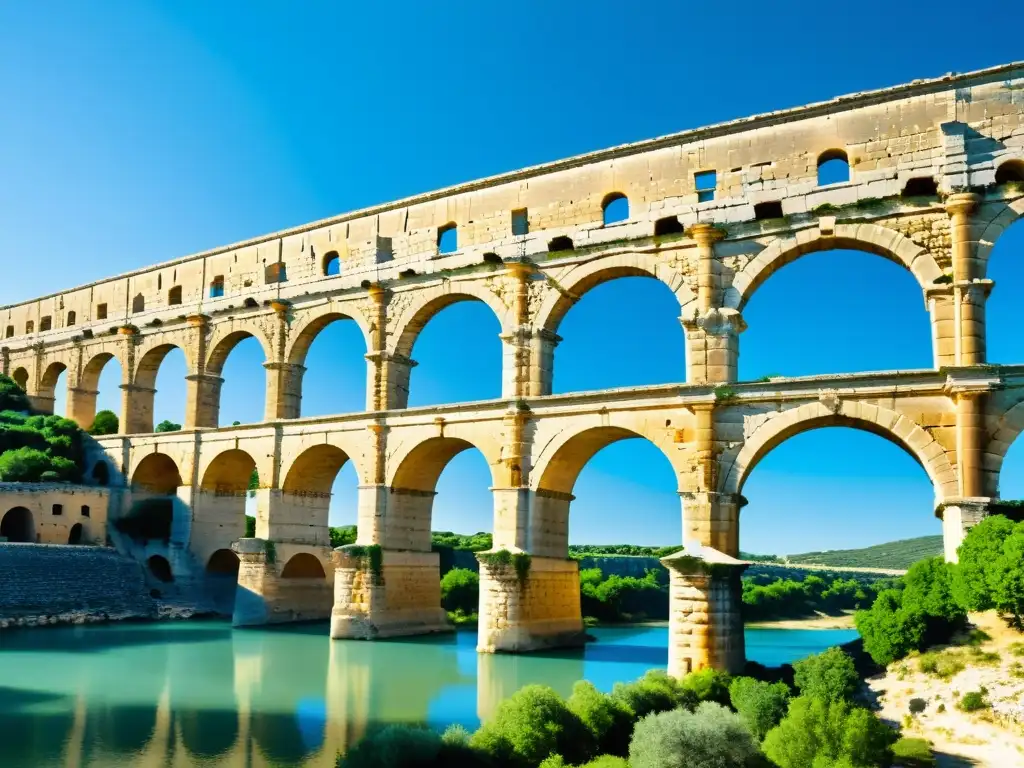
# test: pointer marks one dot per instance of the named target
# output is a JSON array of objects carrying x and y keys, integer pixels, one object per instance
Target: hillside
[{"x": 893, "y": 554}]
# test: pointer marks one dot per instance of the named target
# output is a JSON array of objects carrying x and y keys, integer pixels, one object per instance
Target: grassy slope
[{"x": 893, "y": 554}]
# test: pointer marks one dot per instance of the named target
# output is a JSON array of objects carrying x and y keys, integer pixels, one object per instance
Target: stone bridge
[{"x": 930, "y": 175}]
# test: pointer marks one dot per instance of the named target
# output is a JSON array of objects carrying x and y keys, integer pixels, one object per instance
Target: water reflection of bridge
[{"x": 244, "y": 702}]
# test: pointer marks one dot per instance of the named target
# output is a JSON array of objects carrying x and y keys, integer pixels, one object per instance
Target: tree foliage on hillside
[
  {"x": 39, "y": 448},
  {"x": 475, "y": 542},
  {"x": 898, "y": 555},
  {"x": 12, "y": 397},
  {"x": 990, "y": 574}
]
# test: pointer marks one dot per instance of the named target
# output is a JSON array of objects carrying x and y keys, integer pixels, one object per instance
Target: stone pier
[{"x": 281, "y": 583}]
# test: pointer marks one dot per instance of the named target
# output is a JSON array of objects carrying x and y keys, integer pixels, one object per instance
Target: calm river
[{"x": 200, "y": 694}]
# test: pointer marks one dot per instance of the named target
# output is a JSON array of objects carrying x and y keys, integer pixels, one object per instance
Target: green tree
[
  {"x": 819, "y": 732},
  {"x": 709, "y": 737},
  {"x": 12, "y": 397},
  {"x": 531, "y": 725},
  {"x": 396, "y": 746},
  {"x": 607, "y": 718},
  {"x": 656, "y": 691},
  {"x": 29, "y": 465},
  {"x": 250, "y": 527},
  {"x": 990, "y": 573},
  {"x": 343, "y": 535},
  {"x": 707, "y": 685},
  {"x": 460, "y": 590},
  {"x": 761, "y": 705},
  {"x": 890, "y": 631},
  {"x": 829, "y": 676},
  {"x": 167, "y": 426},
  {"x": 105, "y": 423}
]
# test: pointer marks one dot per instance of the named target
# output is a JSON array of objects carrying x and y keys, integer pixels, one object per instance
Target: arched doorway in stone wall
[
  {"x": 160, "y": 568},
  {"x": 75, "y": 534},
  {"x": 155, "y": 505},
  {"x": 303, "y": 566},
  {"x": 18, "y": 525}
]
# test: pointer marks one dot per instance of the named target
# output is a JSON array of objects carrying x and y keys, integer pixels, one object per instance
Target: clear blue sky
[{"x": 134, "y": 132}]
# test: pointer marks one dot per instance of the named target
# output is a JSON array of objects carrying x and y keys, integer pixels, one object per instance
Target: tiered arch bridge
[{"x": 935, "y": 174}]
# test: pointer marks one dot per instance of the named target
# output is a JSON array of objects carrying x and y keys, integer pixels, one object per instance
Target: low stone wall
[{"x": 49, "y": 584}]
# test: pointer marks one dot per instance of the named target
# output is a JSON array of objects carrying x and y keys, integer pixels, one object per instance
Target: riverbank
[{"x": 843, "y": 621}]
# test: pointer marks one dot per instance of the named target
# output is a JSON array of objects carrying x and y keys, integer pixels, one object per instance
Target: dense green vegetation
[
  {"x": 705, "y": 720},
  {"x": 898, "y": 555},
  {"x": 167, "y": 426},
  {"x": 766, "y": 598},
  {"x": 105, "y": 423},
  {"x": 39, "y": 448},
  {"x": 929, "y": 605},
  {"x": 637, "y": 550},
  {"x": 476, "y": 542}
]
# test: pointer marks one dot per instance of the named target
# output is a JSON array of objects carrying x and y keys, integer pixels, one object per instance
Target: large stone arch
[
  {"x": 994, "y": 228},
  {"x": 558, "y": 467},
  {"x": 156, "y": 473},
  {"x": 315, "y": 469},
  {"x": 558, "y": 298},
  {"x": 1002, "y": 433},
  {"x": 93, "y": 369},
  {"x": 872, "y": 238},
  {"x": 897, "y": 428},
  {"x": 227, "y": 472},
  {"x": 48, "y": 382},
  {"x": 20, "y": 376},
  {"x": 308, "y": 326},
  {"x": 150, "y": 359},
  {"x": 417, "y": 308},
  {"x": 223, "y": 343},
  {"x": 18, "y": 524}
]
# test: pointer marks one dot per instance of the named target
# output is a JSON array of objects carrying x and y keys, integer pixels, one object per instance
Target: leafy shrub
[
  {"x": 819, "y": 732},
  {"x": 342, "y": 536},
  {"x": 621, "y": 598},
  {"x": 761, "y": 705},
  {"x": 105, "y": 423},
  {"x": 168, "y": 426},
  {"x": 890, "y": 631},
  {"x": 607, "y": 718},
  {"x": 655, "y": 692},
  {"x": 604, "y": 761},
  {"x": 12, "y": 397},
  {"x": 707, "y": 685},
  {"x": 972, "y": 701},
  {"x": 27, "y": 465},
  {"x": 913, "y": 753},
  {"x": 460, "y": 590},
  {"x": 944, "y": 664},
  {"x": 917, "y": 706},
  {"x": 990, "y": 573},
  {"x": 709, "y": 737},
  {"x": 396, "y": 746},
  {"x": 531, "y": 725},
  {"x": 829, "y": 676}
]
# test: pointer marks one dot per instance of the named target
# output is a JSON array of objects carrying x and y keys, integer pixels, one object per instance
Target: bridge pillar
[
  {"x": 81, "y": 407},
  {"x": 970, "y": 288},
  {"x": 218, "y": 520},
  {"x": 942, "y": 308},
  {"x": 202, "y": 400},
  {"x": 528, "y": 603},
  {"x": 387, "y": 385},
  {"x": 705, "y": 618},
  {"x": 284, "y": 390},
  {"x": 136, "y": 409},
  {"x": 712, "y": 520},
  {"x": 386, "y": 593},
  {"x": 959, "y": 515},
  {"x": 712, "y": 333}
]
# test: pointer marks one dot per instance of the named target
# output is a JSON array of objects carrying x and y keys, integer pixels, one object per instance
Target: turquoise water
[{"x": 202, "y": 694}]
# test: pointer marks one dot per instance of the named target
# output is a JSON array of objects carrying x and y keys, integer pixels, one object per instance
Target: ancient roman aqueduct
[{"x": 935, "y": 175}]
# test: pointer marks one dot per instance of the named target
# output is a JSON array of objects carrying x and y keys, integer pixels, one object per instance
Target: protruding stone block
[{"x": 959, "y": 515}]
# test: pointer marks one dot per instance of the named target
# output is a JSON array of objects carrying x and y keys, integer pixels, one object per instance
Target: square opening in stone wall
[
  {"x": 669, "y": 225},
  {"x": 86, "y": 512},
  {"x": 520, "y": 222},
  {"x": 772, "y": 210},
  {"x": 58, "y": 509},
  {"x": 705, "y": 183},
  {"x": 101, "y": 311},
  {"x": 920, "y": 186}
]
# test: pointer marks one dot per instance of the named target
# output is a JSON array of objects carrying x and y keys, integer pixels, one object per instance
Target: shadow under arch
[
  {"x": 315, "y": 469},
  {"x": 48, "y": 385},
  {"x": 229, "y": 473},
  {"x": 18, "y": 525},
  {"x": 156, "y": 512},
  {"x": 207, "y": 734},
  {"x": 303, "y": 566}
]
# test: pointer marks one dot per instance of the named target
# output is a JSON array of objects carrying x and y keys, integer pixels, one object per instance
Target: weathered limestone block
[
  {"x": 401, "y": 596},
  {"x": 539, "y": 610},
  {"x": 705, "y": 619},
  {"x": 712, "y": 346}
]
